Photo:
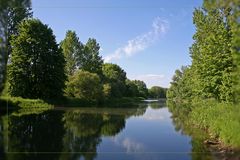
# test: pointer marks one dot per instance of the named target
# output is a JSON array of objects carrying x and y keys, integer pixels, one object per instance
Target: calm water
[{"x": 143, "y": 132}]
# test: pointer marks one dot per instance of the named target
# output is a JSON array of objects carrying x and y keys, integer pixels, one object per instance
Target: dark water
[{"x": 146, "y": 132}]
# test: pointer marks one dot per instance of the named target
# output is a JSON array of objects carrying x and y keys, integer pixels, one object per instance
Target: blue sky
[{"x": 149, "y": 39}]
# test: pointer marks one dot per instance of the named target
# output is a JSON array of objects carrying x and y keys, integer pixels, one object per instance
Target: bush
[{"x": 84, "y": 85}]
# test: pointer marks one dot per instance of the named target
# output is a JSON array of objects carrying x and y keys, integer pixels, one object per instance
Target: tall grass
[
  {"x": 222, "y": 120},
  {"x": 18, "y": 102}
]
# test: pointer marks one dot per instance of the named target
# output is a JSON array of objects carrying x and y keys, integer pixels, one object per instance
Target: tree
[
  {"x": 37, "y": 64},
  {"x": 157, "y": 92},
  {"x": 142, "y": 88},
  {"x": 72, "y": 50},
  {"x": 12, "y": 12},
  {"x": 181, "y": 89},
  {"x": 131, "y": 89},
  {"x": 115, "y": 76},
  {"x": 90, "y": 60},
  {"x": 212, "y": 60},
  {"x": 213, "y": 73},
  {"x": 84, "y": 85}
]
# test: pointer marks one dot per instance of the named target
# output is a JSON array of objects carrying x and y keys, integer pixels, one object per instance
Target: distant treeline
[{"x": 208, "y": 90}]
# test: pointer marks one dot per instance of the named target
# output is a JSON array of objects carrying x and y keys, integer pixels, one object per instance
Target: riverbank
[
  {"x": 219, "y": 120},
  {"x": 18, "y": 102}
]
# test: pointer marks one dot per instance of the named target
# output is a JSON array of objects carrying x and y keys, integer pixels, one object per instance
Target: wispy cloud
[
  {"x": 129, "y": 144},
  {"x": 150, "y": 76},
  {"x": 151, "y": 79},
  {"x": 141, "y": 42}
]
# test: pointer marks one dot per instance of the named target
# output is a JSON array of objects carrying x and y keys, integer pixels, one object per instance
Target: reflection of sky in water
[
  {"x": 151, "y": 132},
  {"x": 130, "y": 145},
  {"x": 156, "y": 114}
]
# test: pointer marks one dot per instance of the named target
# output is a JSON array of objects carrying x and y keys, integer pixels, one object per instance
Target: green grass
[
  {"x": 222, "y": 120},
  {"x": 18, "y": 102}
]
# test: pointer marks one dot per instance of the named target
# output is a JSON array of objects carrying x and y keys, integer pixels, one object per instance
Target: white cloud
[
  {"x": 129, "y": 144},
  {"x": 141, "y": 42},
  {"x": 152, "y": 79}
]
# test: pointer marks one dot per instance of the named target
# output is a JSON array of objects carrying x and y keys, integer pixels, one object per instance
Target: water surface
[{"x": 143, "y": 132}]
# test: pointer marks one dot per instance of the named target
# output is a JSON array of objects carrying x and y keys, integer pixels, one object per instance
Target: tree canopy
[
  {"x": 90, "y": 60},
  {"x": 37, "y": 64},
  {"x": 84, "y": 85},
  {"x": 210, "y": 76},
  {"x": 115, "y": 76},
  {"x": 72, "y": 49},
  {"x": 12, "y": 12},
  {"x": 157, "y": 92}
]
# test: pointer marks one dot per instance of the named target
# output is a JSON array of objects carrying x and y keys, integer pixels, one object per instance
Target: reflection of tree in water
[
  {"x": 74, "y": 131},
  {"x": 84, "y": 131},
  {"x": 2, "y": 155},
  {"x": 157, "y": 105},
  {"x": 180, "y": 121},
  {"x": 35, "y": 133}
]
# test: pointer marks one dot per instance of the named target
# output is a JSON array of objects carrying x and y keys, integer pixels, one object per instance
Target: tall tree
[
  {"x": 37, "y": 64},
  {"x": 211, "y": 54},
  {"x": 90, "y": 60},
  {"x": 115, "y": 76},
  {"x": 12, "y": 12},
  {"x": 72, "y": 50}
]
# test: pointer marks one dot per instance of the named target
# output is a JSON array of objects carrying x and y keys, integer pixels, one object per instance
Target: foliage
[
  {"x": 157, "y": 92},
  {"x": 212, "y": 58},
  {"x": 115, "y": 77},
  {"x": 72, "y": 49},
  {"x": 12, "y": 12},
  {"x": 210, "y": 85},
  {"x": 37, "y": 64},
  {"x": 131, "y": 89},
  {"x": 107, "y": 90},
  {"x": 84, "y": 85},
  {"x": 90, "y": 60},
  {"x": 142, "y": 88},
  {"x": 225, "y": 127},
  {"x": 180, "y": 90},
  {"x": 19, "y": 102}
]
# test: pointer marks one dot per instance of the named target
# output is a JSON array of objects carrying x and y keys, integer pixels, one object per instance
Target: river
[{"x": 145, "y": 132}]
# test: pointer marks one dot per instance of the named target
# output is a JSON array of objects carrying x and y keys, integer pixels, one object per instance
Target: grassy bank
[
  {"x": 220, "y": 120},
  {"x": 111, "y": 102},
  {"x": 17, "y": 102}
]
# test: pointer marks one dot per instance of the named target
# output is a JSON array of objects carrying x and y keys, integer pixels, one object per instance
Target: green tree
[
  {"x": 12, "y": 12},
  {"x": 157, "y": 92},
  {"x": 84, "y": 85},
  {"x": 72, "y": 49},
  {"x": 37, "y": 64},
  {"x": 131, "y": 89},
  {"x": 181, "y": 86},
  {"x": 142, "y": 88},
  {"x": 90, "y": 60},
  {"x": 212, "y": 60},
  {"x": 115, "y": 76}
]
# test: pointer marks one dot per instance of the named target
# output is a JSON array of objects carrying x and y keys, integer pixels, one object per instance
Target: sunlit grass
[
  {"x": 222, "y": 120},
  {"x": 23, "y": 103}
]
